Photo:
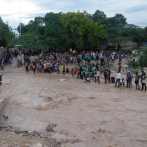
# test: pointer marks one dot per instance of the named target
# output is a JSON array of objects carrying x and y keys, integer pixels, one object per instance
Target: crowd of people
[{"x": 85, "y": 69}]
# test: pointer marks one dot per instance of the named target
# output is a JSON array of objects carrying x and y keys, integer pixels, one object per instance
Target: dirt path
[{"x": 97, "y": 115}]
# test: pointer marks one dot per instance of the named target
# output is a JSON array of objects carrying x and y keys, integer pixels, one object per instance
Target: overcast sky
[{"x": 134, "y": 10}]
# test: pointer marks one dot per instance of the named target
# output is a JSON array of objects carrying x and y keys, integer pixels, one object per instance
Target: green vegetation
[
  {"x": 5, "y": 33},
  {"x": 133, "y": 64},
  {"x": 78, "y": 30},
  {"x": 143, "y": 59}
]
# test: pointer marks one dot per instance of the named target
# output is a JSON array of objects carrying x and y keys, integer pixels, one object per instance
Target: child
[
  {"x": 122, "y": 82},
  {"x": 67, "y": 70},
  {"x": 87, "y": 79}
]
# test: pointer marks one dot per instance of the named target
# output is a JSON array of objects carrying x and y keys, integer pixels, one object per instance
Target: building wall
[{"x": 126, "y": 44}]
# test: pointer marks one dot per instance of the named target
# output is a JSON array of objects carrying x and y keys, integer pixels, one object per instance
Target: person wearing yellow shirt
[{"x": 86, "y": 72}]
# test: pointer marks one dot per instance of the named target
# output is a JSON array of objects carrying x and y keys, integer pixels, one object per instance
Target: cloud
[{"x": 135, "y": 10}]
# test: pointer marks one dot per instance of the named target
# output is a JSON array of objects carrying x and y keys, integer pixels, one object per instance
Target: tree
[
  {"x": 56, "y": 34},
  {"x": 23, "y": 28},
  {"x": 115, "y": 29},
  {"x": 35, "y": 26},
  {"x": 99, "y": 17},
  {"x": 29, "y": 41},
  {"x": 145, "y": 34},
  {"x": 83, "y": 31},
  {"x": 5, "y": 33},
  {"x": 143, "y": 59}
]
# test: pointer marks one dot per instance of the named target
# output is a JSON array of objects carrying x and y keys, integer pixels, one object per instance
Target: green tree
[
  {"x": 6, "y": 33},
  {"x": 143, "y": 59},
  {"x": 55, "y": 33},
  {"x": 29, "y": 41},
  {"x": 116, "y": 29},
  {"x": 100, "y": 17},
  {"x": 23, "y": 28},
  {"x": 83, "y": 31},
  {"x": 145, "y": 34}
]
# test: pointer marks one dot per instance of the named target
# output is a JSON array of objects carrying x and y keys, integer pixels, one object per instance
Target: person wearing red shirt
[{"x": 58, "y": 68}]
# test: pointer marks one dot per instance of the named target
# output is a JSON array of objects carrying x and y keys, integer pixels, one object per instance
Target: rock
[
  {"x": 37, "y": 145},
  {"x": 61, "y": 80}
]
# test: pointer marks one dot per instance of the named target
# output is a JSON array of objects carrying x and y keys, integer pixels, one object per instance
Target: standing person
[
  {"x": 73, "y": 73},
  {"x": 130, "y": 80},
  {"x": 143, "y": 81},
  {"x": 137, "y": 81},
  {"x": 81, "y": 73},
  {"x": 119, "y": 67},
  {"x": 77, "y": 74},
  {"x": 89, "y": 59},
  {"x": 34, "y": 68},
  {"x": 120, "y": 59},
  {"x": 71, "y": 59},
  {"x": 118, "y": 77},
  {"x": 58, "y": 68},
  {"x": 109, "y": 76},
  {"x": 63, "y": 70},
  {"x": 97, "y": 56},
  {"x": 2, "y": 64},
  {"x": 127, "y": 80},
  {"x": 97, "y": 66},
  {"x": 86, "y": 72},
  {"x": 105, "y": 75},
  {"x": 112, "y": 58},
  {"x": 98, "y": 75},
  {"x": 83, "y": 69},
  {"x": 45, "y": 66},
  {"x": 108, "y": 59},
  {"x": 0, "y": 80},
  {"x": 95, "y": 75},
  {"x": 67, "y": 70},
  {"x": 21, "y": 62},
  {"x": 105, "y": 60}
]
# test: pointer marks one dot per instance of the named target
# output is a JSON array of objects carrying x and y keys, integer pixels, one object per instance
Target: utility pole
[{"x": 20, "y": 17}]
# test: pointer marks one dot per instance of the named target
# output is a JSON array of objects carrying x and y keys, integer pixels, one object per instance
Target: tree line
[
  {"x": 78, "y": 30},
  {"x": 6, "y": 33}
]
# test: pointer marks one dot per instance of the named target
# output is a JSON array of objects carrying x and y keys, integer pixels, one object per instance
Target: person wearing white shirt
[{"x": 118, "y": 77}]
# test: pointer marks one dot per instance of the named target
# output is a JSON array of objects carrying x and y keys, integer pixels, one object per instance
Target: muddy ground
[{"x": 97, "y": 115}]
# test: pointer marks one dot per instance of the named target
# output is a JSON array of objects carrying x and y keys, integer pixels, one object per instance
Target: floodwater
[{"x": 98, "y": 114}]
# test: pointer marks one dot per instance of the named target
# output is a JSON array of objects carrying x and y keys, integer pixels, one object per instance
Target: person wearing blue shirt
[
  {"x": 89, "y": 58},
  {"x": 97, "y": 55},
  {"x": 130, "y": 80},
  {"x": 55, "y": 67}
]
